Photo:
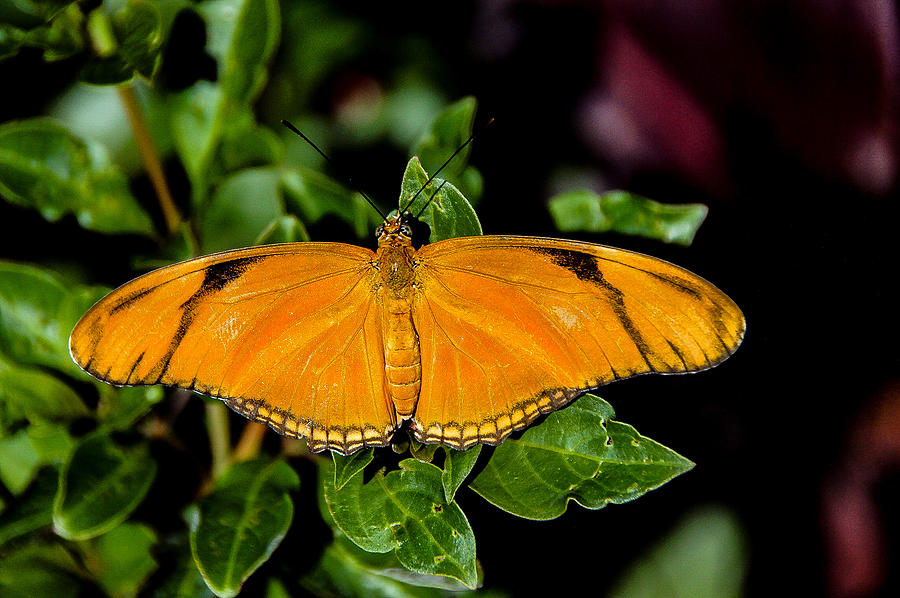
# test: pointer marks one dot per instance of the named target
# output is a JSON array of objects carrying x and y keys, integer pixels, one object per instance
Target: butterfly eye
[
  {"x": 379, "y": 231},
  {"x": 406, "y": 231}
]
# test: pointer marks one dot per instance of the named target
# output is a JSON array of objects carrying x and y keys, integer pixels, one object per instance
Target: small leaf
[
  {"x": 577, "y": 454},
  {"x": 43, "y": 166},
  {"x": 284, "y": 229},
  {"x": 448, "y": 131},
  {"x": 242, "y": 207},
  {"x": 626, "y": 213},
  {"x": 457, "y": 466},
  {"x": 237, "y": 527},
  {"x": 421, "y": 451},
  {"x": 19, "y": 461},
  {"x": 312, "y": 195},
  {"x": 123, "y": 559},
  {"x": 703, "y": 557},
  {"x": 449, "y": 213},
  {"x": 120, "y": 407},
  {"x": 37, "y": 312},
  {"x": 139, "y": 29},
  {"x": 38, "y": 569},
  {"x": 405, "y": 511},
  {"x": 32, "y": 510},
  {"x": 62, "y": 36},
  {"x": 100, "y": 486},
  {"x": 347, "y": 467}
]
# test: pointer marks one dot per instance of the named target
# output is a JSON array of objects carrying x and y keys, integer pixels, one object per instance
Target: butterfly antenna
[
  {"x": 427, "y": 203},
  {"x": 444, "y": 165},
  {"x": 349, "y": 181}
]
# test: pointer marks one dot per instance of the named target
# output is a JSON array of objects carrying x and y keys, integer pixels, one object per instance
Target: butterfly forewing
[
  {"x": 286, "y": 334},
  {"x": 511, "y": 327}
]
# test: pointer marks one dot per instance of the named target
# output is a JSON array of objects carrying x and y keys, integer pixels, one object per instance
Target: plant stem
[
  {"x": 251, "y": 441},
  {"x": 150, "y": 157},
  {"x": 219, "y": 436}
]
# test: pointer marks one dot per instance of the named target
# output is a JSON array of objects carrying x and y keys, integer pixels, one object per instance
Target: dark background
[{"x": 782, "y": 118}]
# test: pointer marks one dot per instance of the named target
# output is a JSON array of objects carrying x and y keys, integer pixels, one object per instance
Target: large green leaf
[
  {"x": 121, "y": 559},
  {"x": 37, "y": 312},
  {"x": 100, "y": 486},
  {"x": 626, "y": 213},
  {"x": 448, "y": 213},
  {"x": 580, "y": 454},
  {"x": 36, "y": 395},
  {"x": 242, "y": 208},
  {"x": 312, "y": 195},
  {"x": 32, "y": 510},
  {"x": 406, "y": 512},
  {"x": 703, "y": 557},
  {"x": 43, "y": 166},
  {"x": 236, "y": 528}
]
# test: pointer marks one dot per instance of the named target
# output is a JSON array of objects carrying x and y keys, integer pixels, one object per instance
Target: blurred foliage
[{"x": 77, "y": 457}]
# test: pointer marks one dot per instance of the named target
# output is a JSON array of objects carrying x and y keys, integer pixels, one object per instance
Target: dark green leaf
[
  {"x": 37, "y": 395},
  {"x": 236, "y": 528},
  {"x": 284, "y": 229},
  {"x": 122, "y": 558},
  {"x": 32, "y": 510},
  {"x": 43, "y": 166},
  {"x": 39, "y": 570},
  {"x": 449, "y": 130},
  {"x": 406, "y": 512},
  {"x": 100, "y": 486},
  {"x": 37, "y": 312},
  {"x": 312, "y": 195},
  {"x": 578, "y": 454},
  {"x": 242, "y": 208},
  {"x": 185, "y": 580},
  {"x": 626, "y": 213},
  {"x": 347, "y": 467},
  {"x": 457, "y": 466},
  {"x": 139, "y": 30},
  {"x": 51, "y": 442},
  {"x": 106, "y": 70},
  {"x": 703, "y": 557},
  {"x": 246, "y": 143},
  {"x": 119, "y": 408},
  {"x": 449, "y": 213},
  {"x": 62, "y": 36},
  {"x": 11, "y": 39}
]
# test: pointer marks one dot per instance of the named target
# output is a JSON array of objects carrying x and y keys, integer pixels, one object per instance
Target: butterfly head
[{"x": 395, "y": 231}]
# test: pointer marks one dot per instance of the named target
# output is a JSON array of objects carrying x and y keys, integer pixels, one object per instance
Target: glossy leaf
[
  {"x": 38, "y": 569},
  {"x": 37, "y": 312},
  {"x": 312, "y": 195},
  {"x": 43, "y": 166},
  {"x": 242, "y": 207},
  {"x": 347, "y": 467},
  {"x": 345, "y": 570},
  {"x": 236, "y": 528},
  {"x": 457, "y": 467},
  {"x": 703, "y": 557},
  {"x": 449, "y": 213},
  {"x": 580, "y": 454},
  {"x": 37, "y": 395},
  {"x": 627, "y": 213},
  {"x": 405, "y": 512},
  {"x": 32, "y": 510},
  {"x": 122, "y": 559},
  {"x": 100, "y": 486}
]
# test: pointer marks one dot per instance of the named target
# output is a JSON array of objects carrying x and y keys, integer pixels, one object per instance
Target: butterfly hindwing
[{"x": 511, "y": 327}]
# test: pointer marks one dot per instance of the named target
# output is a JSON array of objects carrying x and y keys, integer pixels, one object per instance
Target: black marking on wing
[
  {"x": 586, "y": 268},
  {"x": 216, "y": 278}
]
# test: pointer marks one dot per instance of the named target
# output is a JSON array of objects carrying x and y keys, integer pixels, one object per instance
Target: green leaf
[
  {"x": 703, "y": 557},
  {"x": 449, "y": 214},
  {"x": 312, "y": 195},
  {"x": 457, "y": 467},
  {"x": 32, "y": 510},
  {"x": 626, "y": 213},
  {"x": 39, "y": 570},
  {"x": 345, "y": 570},
  {"x": 448, "y": 131},
  {"x": 185, "y": 580},
  {"x": 139, "y": 28},
  {"x": 242, "y": 208},
  {"x": 43, "y": 166},
  {"x": 246, "y": 143},
  {"x": 120, "y": 407},
  {"x": 19, "y": 461},
  {"x": 37, "y": 395},
  {"x": 421, "y": 451},
  {"x": 62, "y": 36},
  {"x": 236, "y": 528},
  {"x": 406, "y": 512},
  {"x": 347, "y": 467},
  {"x": 284, "y": 229},
  {"x": 122, "y": 559},
  {"x": 580, "y": 454},
  {"x": 100, "y": 486},
  {"x": 37, "y": 312}
]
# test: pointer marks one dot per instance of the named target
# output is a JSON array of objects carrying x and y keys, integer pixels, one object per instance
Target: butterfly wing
[
  {"x": 512, "y": 327},
  {"x": 284, "y": 334}
]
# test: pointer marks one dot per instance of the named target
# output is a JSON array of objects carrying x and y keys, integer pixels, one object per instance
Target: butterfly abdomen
[{"x": 402, "y": 361}]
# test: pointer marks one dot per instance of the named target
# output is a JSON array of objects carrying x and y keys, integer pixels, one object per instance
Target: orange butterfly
[{"x": 470, "y": 338}]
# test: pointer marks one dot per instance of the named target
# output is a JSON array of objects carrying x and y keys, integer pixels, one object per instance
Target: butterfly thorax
[{"x": 395, "y": 260}]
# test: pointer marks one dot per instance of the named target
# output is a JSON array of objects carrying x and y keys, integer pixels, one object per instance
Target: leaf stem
[
  {"x": 149, "y": 156},
  {"x": 250, "y": 442},
  {"x": 217, "y": 427}
]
